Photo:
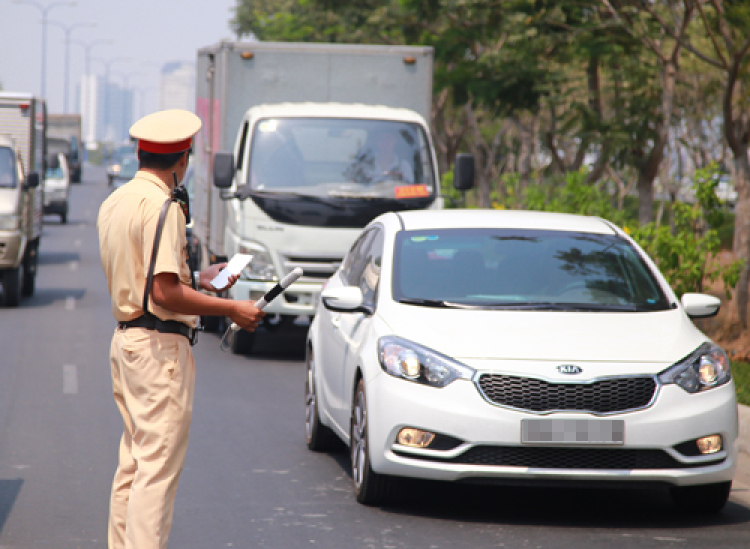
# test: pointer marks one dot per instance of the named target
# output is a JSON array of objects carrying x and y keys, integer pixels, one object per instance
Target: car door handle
[{"x": 336, "y": 321}]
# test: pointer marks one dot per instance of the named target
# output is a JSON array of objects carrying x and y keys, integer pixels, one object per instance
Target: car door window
[
  {"x": 354, "y": 263},
  {"x": 369, "y": 279}
]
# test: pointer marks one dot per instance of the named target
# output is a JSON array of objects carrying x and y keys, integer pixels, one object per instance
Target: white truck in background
[
  {"x": 64, "y": 135},
  {"x": 303, "y": 123},
  {"x": 23, "y": 124}
]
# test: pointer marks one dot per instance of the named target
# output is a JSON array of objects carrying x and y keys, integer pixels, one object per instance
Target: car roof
[{"x": 414, "y": 220}]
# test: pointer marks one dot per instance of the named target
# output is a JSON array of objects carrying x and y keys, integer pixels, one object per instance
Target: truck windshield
[
  {"x": 7, "y": 168},
  {"x": 350, "y": 170}
]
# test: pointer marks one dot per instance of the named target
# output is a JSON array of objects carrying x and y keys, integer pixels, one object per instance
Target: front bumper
[
  {"x": 301, "y": 298},
  {"x": 488, "y": 447}
]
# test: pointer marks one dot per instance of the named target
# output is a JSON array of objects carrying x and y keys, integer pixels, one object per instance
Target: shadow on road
[
  {"x": 9, "y": 490},
  {"x": 645, "y": 508}
]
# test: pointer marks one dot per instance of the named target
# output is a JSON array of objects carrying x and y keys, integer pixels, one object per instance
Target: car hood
[{"x": 654, "y": 337}]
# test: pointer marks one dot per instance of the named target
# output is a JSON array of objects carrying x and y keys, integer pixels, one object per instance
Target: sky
[{"x": 144, "y": 34}]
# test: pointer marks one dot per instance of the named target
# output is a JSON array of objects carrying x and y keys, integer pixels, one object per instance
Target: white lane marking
[
  {"x": 78, "y": 242},
  {"x": 70, "y": 379},
  {"x": 73, "y": 265},
  {"x": 70, "y": 303}
]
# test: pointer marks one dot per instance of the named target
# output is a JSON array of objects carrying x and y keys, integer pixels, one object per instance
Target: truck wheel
[
  {"x": 29, "y": 270},
  {"x": 243, "y": 342},
  {"x": 12, "y": 286}
]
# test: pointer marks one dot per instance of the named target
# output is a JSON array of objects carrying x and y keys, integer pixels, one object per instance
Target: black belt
[{"x": 151, "y": 322}]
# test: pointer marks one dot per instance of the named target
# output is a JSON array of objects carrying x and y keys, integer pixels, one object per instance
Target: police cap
[{"x": 166, "y": 132}]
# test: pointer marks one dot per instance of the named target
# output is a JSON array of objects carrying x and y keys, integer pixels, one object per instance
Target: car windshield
[
  {"x": 341, "y": 158},
  {"x": 523, "y": 269}
]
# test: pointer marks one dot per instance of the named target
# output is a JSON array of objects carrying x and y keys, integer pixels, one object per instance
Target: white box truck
[
  {"x": 302, "y": 145},
  {"x": 23, "y": 124}
]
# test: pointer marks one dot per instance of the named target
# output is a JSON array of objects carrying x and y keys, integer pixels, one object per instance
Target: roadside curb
[{"x": 744, "y": 439}]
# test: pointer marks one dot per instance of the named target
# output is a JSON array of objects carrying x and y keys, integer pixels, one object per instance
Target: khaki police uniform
[{"x": 153, "y": 373}]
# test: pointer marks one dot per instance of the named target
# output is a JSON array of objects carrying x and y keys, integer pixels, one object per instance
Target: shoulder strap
[{"x": 155, "y": 251}]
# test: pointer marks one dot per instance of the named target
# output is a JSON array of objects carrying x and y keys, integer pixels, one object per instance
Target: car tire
[
  {"x": 12, "y": 286},
  {"x": 243, "y": 342},
  {"x": 370, "y": 488},
  {"x": 703, "y": 499},
  {"x": 30, "y": 262},
  {"x": 64, "y": 218},
  {"x": 319, "y": 437}
]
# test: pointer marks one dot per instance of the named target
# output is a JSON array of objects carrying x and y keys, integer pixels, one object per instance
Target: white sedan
[{"x": 509, "y": 346}]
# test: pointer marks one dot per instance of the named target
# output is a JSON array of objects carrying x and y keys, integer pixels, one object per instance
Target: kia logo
[{"x": 569, "y": 369}]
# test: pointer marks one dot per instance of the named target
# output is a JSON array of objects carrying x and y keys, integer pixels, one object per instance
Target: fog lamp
[
  {"x": 416, "y": 438},
  {"x": 710, "y": 444},
  {"x": 255, "y": 295}
]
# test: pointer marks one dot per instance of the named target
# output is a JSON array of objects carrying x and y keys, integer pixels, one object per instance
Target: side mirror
[
  {"x": 32, "y": 180},
  {"x": 700, "y": 305},
  {"x": 348, "y": 299},
  {"x": 223, "y": 170},
  {"x": 463, "y": 172},
  {"x": 53, "y": 162}
]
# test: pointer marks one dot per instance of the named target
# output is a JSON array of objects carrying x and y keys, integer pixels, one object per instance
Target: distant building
[
  {"x": 106, "y": 110},
  {"x": 177, "y": 87}
]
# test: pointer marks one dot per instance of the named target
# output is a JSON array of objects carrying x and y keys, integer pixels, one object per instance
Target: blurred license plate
[{"x": 573, "y": 431}]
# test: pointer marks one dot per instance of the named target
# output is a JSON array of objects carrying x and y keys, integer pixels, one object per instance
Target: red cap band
[{"x": 165, "y": 148}]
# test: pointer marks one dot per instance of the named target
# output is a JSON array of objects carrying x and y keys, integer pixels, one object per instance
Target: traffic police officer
[{"x": 152, "y": 365}]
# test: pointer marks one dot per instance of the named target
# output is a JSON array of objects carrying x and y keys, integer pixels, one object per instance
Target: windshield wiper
[
  {"x": 306, "y": 197},
  {"x": 577, "y": 307},
  {"x": 438, "y": 303}
]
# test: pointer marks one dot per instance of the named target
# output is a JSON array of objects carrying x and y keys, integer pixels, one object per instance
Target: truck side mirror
[
  {"x": 463, "y": 172},
  {"x": 32, "y": 180},
  {"x": 223, "y": 170}
]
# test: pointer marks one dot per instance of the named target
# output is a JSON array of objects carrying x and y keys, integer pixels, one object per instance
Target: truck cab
[
  {"x": 20, "y": 223},
  {"x": 306, "y": 178}
]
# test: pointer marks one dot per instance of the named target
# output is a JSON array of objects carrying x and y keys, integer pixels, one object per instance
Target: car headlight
[
  {"x": 260, "y": 266},
  {"x": 408, "y": 360},
  {"x": 9, "y": 222},
  {"x": 706, "y": 368}
]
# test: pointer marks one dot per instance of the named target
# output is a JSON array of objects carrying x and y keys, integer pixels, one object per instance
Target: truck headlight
[
  {"x": 408, "y": 360},
  {"x": 705, "y": 368},
  {"x": 260, "y": 266},
  {"x": 9, "y": 222}
]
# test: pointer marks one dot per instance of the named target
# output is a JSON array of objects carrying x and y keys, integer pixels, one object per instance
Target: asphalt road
[{"x": 249, "y": 480}]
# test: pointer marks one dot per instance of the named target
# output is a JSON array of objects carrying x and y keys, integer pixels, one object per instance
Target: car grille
[
  {"x": 566, "y": 458},
  {"x": 536, "y": 395},
  {"x": 316, "y": 268}
]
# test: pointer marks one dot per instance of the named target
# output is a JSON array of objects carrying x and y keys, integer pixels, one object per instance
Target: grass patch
[{"x": 741, "y": 375}]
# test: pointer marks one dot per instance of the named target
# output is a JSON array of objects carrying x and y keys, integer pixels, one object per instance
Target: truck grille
[
  {"x": 566, "y": 458},
  {"x": 536, "y": 395},
  {"x": 316, "y": 268}
]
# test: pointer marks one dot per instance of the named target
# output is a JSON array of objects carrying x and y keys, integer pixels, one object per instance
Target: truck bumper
[
  {"x": 12, "y": 246},
  {"x": 301, "y": 298}
]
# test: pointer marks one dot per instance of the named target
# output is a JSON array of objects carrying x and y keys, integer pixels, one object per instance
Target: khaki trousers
[{"x": 153, "y": 378}]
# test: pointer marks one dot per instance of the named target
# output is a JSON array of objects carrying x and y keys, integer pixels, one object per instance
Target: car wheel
[
  {"x": 28, "y": 281},
  {"x": 319, "y": 437},
  {"x": 12, "y": 286},
  {"x": 64, "y": 218},
  {"x": 705, "y": 499},
  {"x": 370, "y": 488},
  {"x": 243, "y": 342}
]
